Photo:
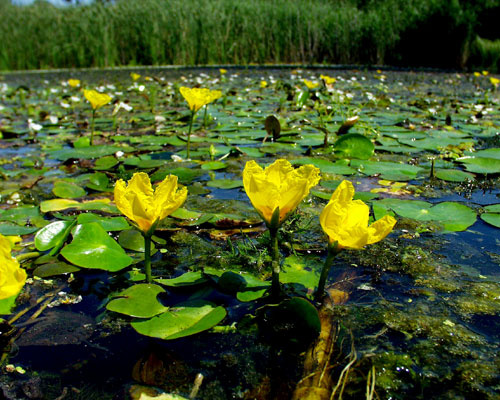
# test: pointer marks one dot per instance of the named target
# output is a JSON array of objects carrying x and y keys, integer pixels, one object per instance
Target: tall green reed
[{"x": 189, "y": 32}]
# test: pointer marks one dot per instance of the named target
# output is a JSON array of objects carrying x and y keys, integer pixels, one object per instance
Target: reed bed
[{"x": 189, "y": 32}]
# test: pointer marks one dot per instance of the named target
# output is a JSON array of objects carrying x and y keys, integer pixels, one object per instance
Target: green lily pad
[
  {"x": 302, "y": 98},
  {"x": 138, "y": 301},
  {"x": 454, "y": 217},
  {"x": 105, "y": 163},
  {"x": 190, "y": 278},
  {"x": 225, "y": 183},
  {"x": 340, "y": 167},
  {"x": 414, "y": 209},
  {"x": 184, "y": 319},
  {"x": 83, "y": 141},
  {"x": 58, "y": 205},
  {"x": 20, "y": 214},
  {"x": 387, "y": 170},
  {"x": 7, "y": 305},
  {"x": 454, "y": 175},
  {"x": 52, "y": 235},
  {"x": 304, "y": 310},
  {"x": 491, "y": 218},
  {"x": 68, "y": 190},
  {"x": 103, "y": 205},
  {"x": 8, "y": 229},
  {"x": 132, "y": 239},
  {"x": 494, "y": 208},
  {"x": 185, "y": 175},
  {"x": 434, "y": 143},
  {"x": 481, "y": 165},
  {"x": 144, "y": 162},
  {"x": 182, "y": 213},
  {"x": 301, "y": 271},
  {"x": 86, "y": 153},
  {"x": 488, "y": 153},
  {"x": 254, "y": 288},
  {"x": 92, "y": 247},
  {"x": 54, "y": 269},
  {"x": 231, "y": 282},
  {"x": 213, "y": 165},
  {"x": 354, "y": 145},
  {"x": 99, "y": 181},
  {"x": 108, "y": 223}
]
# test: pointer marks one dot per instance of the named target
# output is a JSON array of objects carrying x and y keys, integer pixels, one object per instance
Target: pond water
[{"x": 416, "y": 314}]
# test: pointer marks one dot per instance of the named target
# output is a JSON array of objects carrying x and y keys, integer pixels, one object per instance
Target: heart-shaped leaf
[
  {"x": 108, "y": 223},
  {"x": 138, "y": 301},
  {"x": 354, "y": 145},
  {"x": 68, "y": 190},
  {"x": 52, "y": 234},
  {"x": 184, "y": 319},
  {"x": 92, "y": 247}
]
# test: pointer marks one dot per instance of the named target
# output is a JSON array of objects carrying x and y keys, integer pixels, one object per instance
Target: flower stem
[
  {"x": 333, "y": 250},
  {"x": 275, "y": 254},
  {"x": 189, "y": 132},
  {"x": 205, "y": 116},
  {"x": 147, "y": 257},
  {"x": 92, "y": 128}
]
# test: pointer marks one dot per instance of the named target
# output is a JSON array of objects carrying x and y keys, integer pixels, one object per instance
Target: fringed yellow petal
[
  {"x": 279, "y": 185},
  {"x": 380, "y": 229},
  {"x": 141, "y": 204},
  {"x": 345, "y": 221},
  {"x": 12, "y": 277},
  {"x": 168, "y": 197},
  {"x": 96, "y": 99},
  {"x": 198, "y": 97}
]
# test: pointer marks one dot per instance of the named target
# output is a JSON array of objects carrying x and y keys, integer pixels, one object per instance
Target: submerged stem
[
  {"x": 205, "y": 116},
  {"x": 333, "y": 250}
]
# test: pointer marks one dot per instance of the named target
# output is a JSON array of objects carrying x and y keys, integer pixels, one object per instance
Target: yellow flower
[
  {"x": 494, "y": 81},
  {"x": 12, "y": 277},
  {"x": 198, "y": 97},
  {"x": 310, "y": 84},
  {"x": 145, "y": 206},
  {"x": 476, "y": 74},
  {"x": 345, "y": 220},
  {"x": 485, "y": 72},
  {"x": 134, "y": 76},
  {"x": 263, "y": 84},
  {"x": 279, "y": 185},
  {"x": 73, "y": 82},
  {"x": 328, "y": 79},
  {"x": 96, "y": 99},
  {"x": 222, "y": 71}
]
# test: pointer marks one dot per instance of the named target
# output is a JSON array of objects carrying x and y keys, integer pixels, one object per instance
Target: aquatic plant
[
  {"x": 275, "y": 192},
  {"x": 329, "y": 80},
  {"x": 147, "y": 207},
  {"x": 96, "y": 100},
  {"x": 12, "y": 276},
  {"x": 212, "y": 249},
  {"x": 74, "y": 82},
  {"x": 310, "y": 84},
  {"x": 196, "y": 99},
  {"x": 345, "y": 221}
]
